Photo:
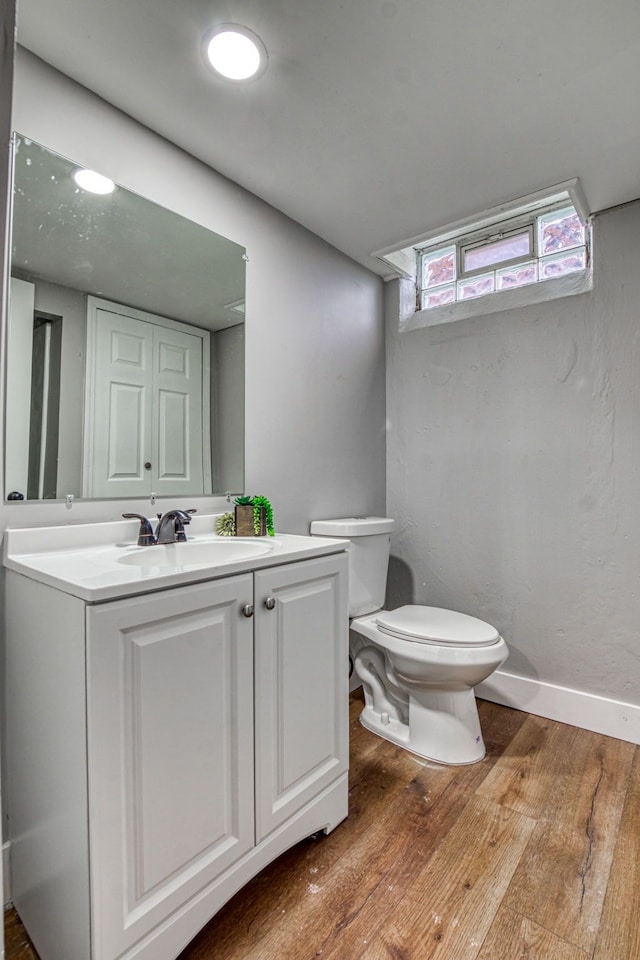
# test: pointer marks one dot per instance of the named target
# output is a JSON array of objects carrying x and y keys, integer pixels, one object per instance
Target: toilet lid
[{"x": 435, "y": 625}]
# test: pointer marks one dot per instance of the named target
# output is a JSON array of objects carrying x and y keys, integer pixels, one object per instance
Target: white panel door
[
  {"x": 301, "y": 685},
  {"x": 147, "y": 405},
  {"x": 170, "y": 721}
]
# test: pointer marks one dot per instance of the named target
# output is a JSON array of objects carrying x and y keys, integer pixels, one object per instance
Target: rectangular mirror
[{"x": 125, "y": 344}]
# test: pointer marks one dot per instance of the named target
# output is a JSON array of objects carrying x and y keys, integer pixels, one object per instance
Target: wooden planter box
[{"x": 245, "y": 523}]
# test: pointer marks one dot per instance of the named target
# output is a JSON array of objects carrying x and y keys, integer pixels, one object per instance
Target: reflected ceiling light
[
  {"x": 235, "y": 52},
  {"x": 93, "y": 182}
]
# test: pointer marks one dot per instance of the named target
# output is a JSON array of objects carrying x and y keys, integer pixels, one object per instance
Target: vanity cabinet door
[
  {"x": 301, "y": 650},
  {"x": 170, "y": 750}
]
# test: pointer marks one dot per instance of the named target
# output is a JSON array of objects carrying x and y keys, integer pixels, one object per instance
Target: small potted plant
[{"x": 253, "y": 517}]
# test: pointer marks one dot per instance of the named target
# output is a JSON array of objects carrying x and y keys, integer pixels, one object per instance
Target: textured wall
[{"x": 514, "y": 471}]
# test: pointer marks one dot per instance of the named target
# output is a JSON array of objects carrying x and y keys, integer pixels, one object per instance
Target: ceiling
[{"x": 376, "y": 120}]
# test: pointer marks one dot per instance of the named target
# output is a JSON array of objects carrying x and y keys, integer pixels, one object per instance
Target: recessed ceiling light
[
  {"x": 235, "y": 52},
  {"x": 93, "y": 182}
]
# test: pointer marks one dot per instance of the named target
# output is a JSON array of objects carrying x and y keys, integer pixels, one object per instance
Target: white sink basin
[{"x": 199, "y": 553}]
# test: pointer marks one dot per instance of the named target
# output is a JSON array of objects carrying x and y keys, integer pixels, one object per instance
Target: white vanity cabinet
[{"x": 168, "y": 746}]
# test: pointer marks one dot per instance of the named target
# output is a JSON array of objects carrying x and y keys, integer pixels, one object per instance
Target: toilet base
[{"x": 443, "y": 727}]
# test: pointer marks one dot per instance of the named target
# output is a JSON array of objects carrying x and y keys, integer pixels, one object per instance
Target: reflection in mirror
[{"x": 125, "y": 344}]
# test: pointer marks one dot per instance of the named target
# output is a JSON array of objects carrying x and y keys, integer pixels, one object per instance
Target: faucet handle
[
  {"x": 145, "y": 535},
  {"x": 171, "y": 526},
  {"x": 183, "y": 518}
]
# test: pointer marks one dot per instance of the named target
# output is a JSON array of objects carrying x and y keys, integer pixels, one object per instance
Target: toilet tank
[{"x": 370, "y": 540}]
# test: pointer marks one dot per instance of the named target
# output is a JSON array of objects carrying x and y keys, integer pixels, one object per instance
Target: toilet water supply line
[{"x": 370, "y": 667}]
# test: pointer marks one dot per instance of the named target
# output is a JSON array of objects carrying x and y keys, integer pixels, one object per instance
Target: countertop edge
[{"x": 26, "y": 565}]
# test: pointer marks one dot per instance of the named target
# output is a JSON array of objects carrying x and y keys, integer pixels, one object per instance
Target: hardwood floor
[
  {"x": 532, "y": 854},
  {"x": 17, "y": 945}
]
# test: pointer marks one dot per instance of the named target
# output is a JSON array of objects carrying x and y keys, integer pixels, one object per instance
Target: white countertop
[{"x": 100, "y": 561}]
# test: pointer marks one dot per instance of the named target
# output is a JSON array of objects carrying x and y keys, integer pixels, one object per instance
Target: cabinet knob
[
  {"x": 248, "y": 610},
  {"x": 270, "y": 603},
  {"x": 147, "y": 465}
]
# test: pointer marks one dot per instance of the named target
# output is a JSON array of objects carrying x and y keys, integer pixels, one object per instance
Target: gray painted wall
[
  {"x": 227, "y": 402},
  {"x": 315, "y": 396},
  {"x": 514, "y": 471}
]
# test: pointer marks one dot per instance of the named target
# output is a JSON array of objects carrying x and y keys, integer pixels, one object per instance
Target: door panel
[
  {"x": 125, "y": 439},
  {"x": 173, "y": 456},
  {"x": 178, "y": 451},
  {"x": 301, "y": 685}
]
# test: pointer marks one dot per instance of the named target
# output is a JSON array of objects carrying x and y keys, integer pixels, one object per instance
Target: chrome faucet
[{"x": 171, "y": 526}]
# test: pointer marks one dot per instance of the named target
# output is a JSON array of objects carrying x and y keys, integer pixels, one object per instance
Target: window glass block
[
  {"x": 560, "y": 230},
  {"x": 438, "y": 297},
  {"x": 562, "y": 264},
  {"x": 541, "y": 244},
  {"x": 508, "y": 248},
  {"x": 476, "y": 287},
  {"x": 517, "y": 276},
  {"x": 438, "y": 267}
]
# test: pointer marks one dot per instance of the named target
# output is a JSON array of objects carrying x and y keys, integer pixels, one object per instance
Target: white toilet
[{"x": 418, "y": 665}]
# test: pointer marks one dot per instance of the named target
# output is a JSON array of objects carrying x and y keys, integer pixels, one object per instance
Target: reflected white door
[{"x": 147, "y": 422}]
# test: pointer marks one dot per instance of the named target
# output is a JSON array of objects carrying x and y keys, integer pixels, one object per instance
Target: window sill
[{"x": 579, "y": 282}]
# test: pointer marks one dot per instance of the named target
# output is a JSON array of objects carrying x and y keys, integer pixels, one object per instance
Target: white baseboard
[
  {"x": 587, "y": 710},
  {"x": 6, "y": 875}
]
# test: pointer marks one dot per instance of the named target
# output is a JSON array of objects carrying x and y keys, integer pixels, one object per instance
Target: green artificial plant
[{"x": 258, "y": 502}]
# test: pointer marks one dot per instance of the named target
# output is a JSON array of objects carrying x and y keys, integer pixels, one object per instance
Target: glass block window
[
  {"x": 560, "y": 231},
  {"x": 476, "y": 287},
  {"x": 517, "y": 276},
  {"x": 539, "y": 246},
  {"x": 505, "y": 250},
  {"x": 436, "y": 298},
  {"x": 562, "y": 264},
  {"x": 439, "y": 267}
]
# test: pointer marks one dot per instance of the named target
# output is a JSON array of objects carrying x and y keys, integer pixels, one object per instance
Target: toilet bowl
[
  {"x": 418, "y": 671},
  {"x": 418, "y": 664}
]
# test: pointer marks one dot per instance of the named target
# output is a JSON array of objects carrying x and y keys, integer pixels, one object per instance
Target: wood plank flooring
[{"x": 532, "y": 854}]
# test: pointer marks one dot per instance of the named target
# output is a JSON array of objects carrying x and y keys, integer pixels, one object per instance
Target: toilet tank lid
[{"x": 352, "y": 527}]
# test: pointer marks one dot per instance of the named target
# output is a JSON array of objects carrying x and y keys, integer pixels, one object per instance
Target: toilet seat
[{"x": 436, "y": 626}]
